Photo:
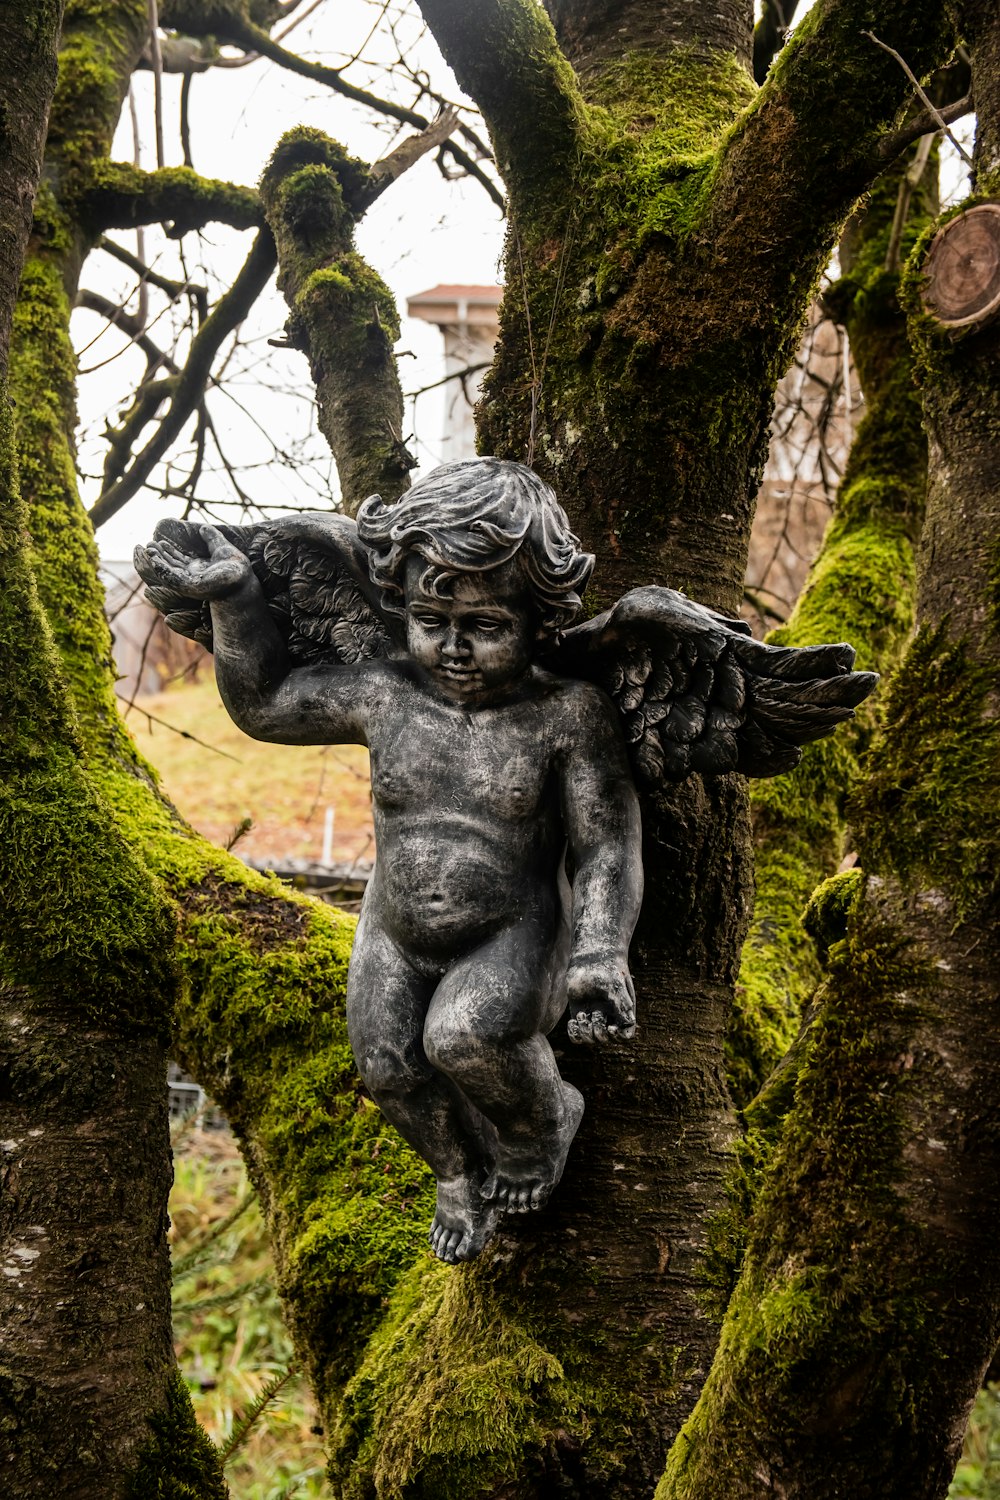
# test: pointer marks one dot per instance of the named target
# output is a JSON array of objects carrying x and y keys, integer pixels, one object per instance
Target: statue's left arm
[{"x": 601, "y": 816}]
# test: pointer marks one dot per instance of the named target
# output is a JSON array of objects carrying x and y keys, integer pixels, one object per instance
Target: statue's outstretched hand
[
  {"x": 166, "y": 563},
  {"x": 601, "y": 1000}
]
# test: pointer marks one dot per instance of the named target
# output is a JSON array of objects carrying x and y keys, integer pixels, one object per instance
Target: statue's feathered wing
[
  {"x": 696, "y": 692},
  {"x": 314, "y": 574}
]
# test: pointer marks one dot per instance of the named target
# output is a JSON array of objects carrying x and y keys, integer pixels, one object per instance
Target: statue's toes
[{"x": 489, "y": 1188}]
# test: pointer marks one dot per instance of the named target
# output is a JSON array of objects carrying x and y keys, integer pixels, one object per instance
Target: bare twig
[
  {"x": 156, "y": 58},
  {"x": 925, "y": 124},
  {"x": 174, "y": 289},
  {"x": 244, "y": 34},
  {"x": 931, "y": 108},
  {"x": 184, "y": 733},
  {"x": 130, "y": 323}
]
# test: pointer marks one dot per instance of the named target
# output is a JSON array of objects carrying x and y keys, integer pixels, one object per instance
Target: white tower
[{"x": 467, "y": 318}]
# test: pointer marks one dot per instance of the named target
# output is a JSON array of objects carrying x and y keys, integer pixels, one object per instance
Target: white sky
[{"x": 422, "y": 231}]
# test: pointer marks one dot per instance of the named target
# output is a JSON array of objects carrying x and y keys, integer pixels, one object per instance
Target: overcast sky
[{"x": 423, "y": 231}]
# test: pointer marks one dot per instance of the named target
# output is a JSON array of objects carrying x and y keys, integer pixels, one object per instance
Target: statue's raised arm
[{"x": 283, "y": 606}]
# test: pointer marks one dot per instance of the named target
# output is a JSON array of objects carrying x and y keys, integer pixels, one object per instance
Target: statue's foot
[
  {"x": 523, "y": 1178},
  {"x": 463, "y": 1224}
]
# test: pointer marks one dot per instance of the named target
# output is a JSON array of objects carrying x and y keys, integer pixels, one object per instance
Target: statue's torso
[{"x": 466, "y": 805}]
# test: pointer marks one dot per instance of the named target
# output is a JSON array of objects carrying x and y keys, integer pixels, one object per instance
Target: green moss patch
[{"x": 931, "y": 803}]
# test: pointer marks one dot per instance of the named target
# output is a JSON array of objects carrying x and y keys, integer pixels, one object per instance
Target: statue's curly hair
[{"x": 469, "y": 517}]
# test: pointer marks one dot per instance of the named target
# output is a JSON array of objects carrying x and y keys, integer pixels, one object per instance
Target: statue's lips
[{"x": 458, "y": 674}]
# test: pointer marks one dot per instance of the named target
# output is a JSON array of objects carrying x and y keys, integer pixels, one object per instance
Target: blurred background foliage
[{"x": 231, "y": 1344}]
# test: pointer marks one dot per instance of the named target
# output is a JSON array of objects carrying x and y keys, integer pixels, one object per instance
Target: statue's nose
[{"x": 455, "y": 644}]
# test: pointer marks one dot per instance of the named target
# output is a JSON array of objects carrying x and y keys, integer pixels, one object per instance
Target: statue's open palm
[{"x": 167, "y": 563}]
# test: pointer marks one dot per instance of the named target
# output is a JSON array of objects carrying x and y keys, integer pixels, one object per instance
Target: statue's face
[{"x": 478, "y": 642}]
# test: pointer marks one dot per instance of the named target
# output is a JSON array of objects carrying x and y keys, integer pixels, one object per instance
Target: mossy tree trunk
[
  {"x": 860, "y": 589},
  {"x": 85, "y": 988},
  {"x": 869, "y": 1305}
]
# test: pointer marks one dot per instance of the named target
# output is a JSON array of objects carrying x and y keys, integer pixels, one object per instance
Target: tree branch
[
  {"x": 227, "y": 314},
  {"x": 130, "y": 324},
  {"x": 809, "y": 147},
  {"x": 173, "y": 289},
  {"x": 408, "y": 152},
  {"x": 119, "y": 196},
  {"x": 925, "y": 124},
  {"x": 240, "y": 31},
  {"x": 505, "y": 56},
  {"x": 341, "y": 314},
  {"x": 929, "y": 106}
]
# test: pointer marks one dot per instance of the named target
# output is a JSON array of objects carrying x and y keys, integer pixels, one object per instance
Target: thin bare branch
[
  {"x": 925, "y": 124},
  {"x": 131, "y": 324},
  {"x": 244, "y": 34},
  {"x": 227, "y": 314},
  {"x": 921, "y": 94},
  {"x": 156, "y": 58}
]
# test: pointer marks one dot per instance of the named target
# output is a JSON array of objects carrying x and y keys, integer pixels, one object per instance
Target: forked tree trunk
[
  {"x": 869, "y": 1304},
  {"x": 642, "y": 332}
]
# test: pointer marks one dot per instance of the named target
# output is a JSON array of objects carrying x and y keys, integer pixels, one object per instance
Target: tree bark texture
[
  {"x": 667, "y": 226},
  {"x": 29, "y": 42},
  {"x": 869, "y": 1304},
  {"x": 860, "y": 589},
  {"x": 635, "y": 369},
  {"x": 86, "y": 979}
]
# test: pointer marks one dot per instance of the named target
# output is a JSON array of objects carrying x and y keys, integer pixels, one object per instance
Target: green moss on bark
[
  {"x": 861, "y": 589},
  {"x": 179, "y": 1462},
  {"x": 107, "y": 939},
  {"x": 816, "y": 1340},
  {"x": 464, "y": 1393},
  {"x": 931, "y": 802}
]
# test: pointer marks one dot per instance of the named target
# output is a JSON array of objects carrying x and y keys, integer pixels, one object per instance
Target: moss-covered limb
[
  {"x": 769, "y": 34},
  {"x": 342, "y": 314},
  {"x": 506, "y": 57},
  {"x": 86, "y": 984},
  {"x": 178, "y": 1461},
  {"x": 851, "y": 1347},
  {"x": 116, "y": 195},
  {"x": 595, "y": 34},
  {"x": 260, "y": 1022},
  {"x": 807, "y": 171},
  {"x": 30, "y": 39},
  {"x": 189, "y": 386},
  {"x": 861, "y": 589}
]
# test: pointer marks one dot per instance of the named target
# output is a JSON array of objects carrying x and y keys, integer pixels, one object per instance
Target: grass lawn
[{"x": 284, "y": 789}]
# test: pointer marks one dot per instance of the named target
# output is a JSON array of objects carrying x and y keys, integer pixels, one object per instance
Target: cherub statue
[{"x": 504, "y": 745}]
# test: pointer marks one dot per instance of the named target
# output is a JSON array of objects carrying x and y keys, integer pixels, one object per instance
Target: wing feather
[
  {"x": 696, "y": 692},
  {"x": 314, "y": 574}
]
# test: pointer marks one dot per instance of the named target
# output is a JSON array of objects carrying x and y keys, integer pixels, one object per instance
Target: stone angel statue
[{"x": 506, "y": 744}]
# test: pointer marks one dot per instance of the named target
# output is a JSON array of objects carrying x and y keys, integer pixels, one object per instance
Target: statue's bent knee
[{"x": 387, "y": 1070}]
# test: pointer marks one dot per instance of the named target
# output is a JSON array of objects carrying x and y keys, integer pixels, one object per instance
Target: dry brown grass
[{"x": 284, "y": 789}]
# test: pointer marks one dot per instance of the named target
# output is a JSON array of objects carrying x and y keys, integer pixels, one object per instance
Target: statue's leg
[
  {"x": 482, "y": 1030},
  {"x": 387, "y": 1001}
]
